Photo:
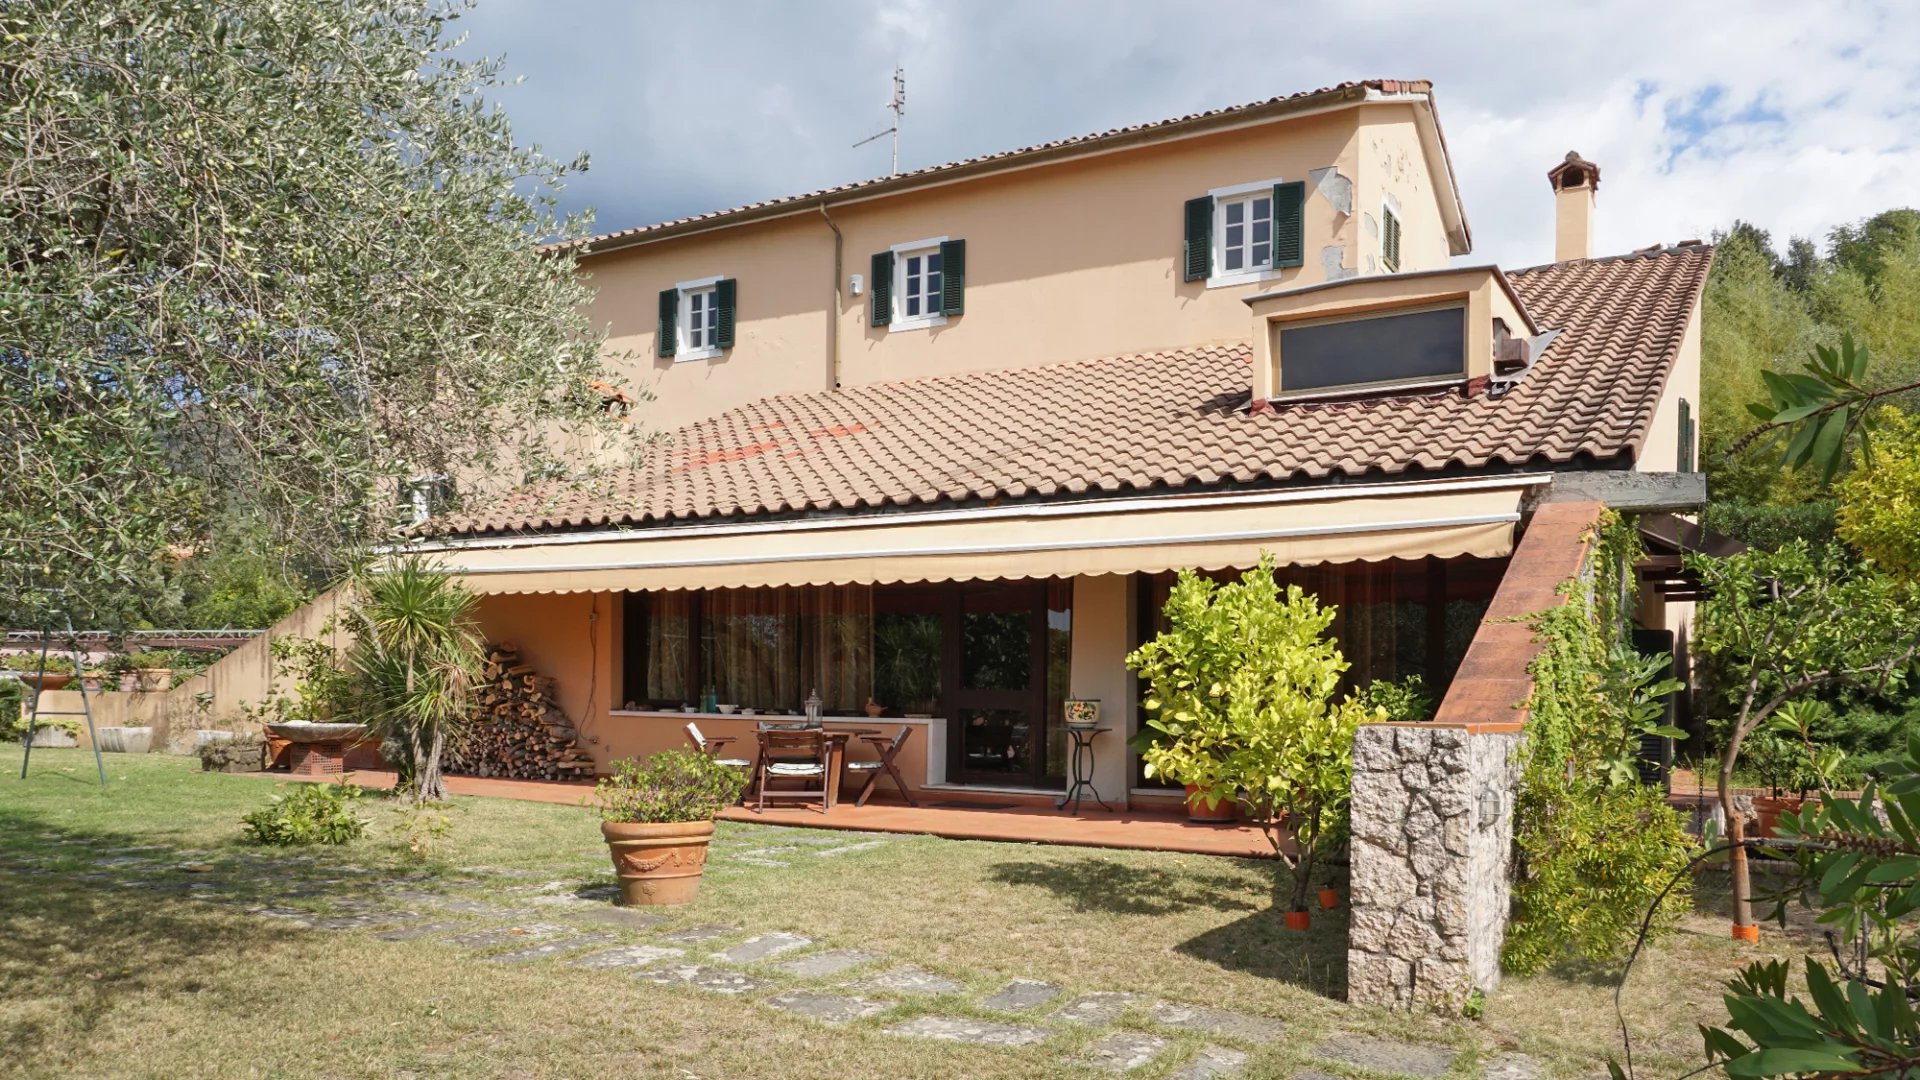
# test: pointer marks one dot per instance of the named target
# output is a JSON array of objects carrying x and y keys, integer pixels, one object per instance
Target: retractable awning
[{"x": 1371, "y": 522}]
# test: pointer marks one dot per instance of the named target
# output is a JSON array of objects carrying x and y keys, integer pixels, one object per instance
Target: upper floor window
[
  {"x": 425, "y": 497},
  {"x": 1421, "y": 346},
  {"x": 1245, "y": 233},
  {"x": 1389, "y": 238},
  {"x": 919, "y": 284},
  {"x": 696, "y": 318}
]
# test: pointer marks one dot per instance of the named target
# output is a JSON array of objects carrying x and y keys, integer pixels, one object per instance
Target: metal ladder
[{"x": 86, "y": 706}]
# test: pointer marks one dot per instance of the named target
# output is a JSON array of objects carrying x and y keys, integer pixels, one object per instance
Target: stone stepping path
[
  {"x": 1216, "y": 1061},
  {"x": 1097, "y": 1008},
  {"x": 694, "y": 935},
  {"x": 413, "y": 933},
  {"x": 507, "y": 935},
  {"x": 1515, "y": 1067},
  {"x": 762, "y": 947},
  {"x": 1387, "y": 1055},
  {"x": 700, "y": 977},
  {"x": 1123, "y": 1050},
  {"x": 548, "y": 949},
  {"x": 1022, "y": 995},
  {"x": 629, "y": 956},
  {"x": 1234, "y": 1025},
  {"x": 830, "y": 962},
  {"x": 827, "y": 1008},
  {"x": 907, "y": 980},
  {"x": 624, "y": 917},
  {"x": 962, "y": 1030}
]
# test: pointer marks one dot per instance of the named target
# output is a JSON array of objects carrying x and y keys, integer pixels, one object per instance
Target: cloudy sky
[{"x": 1796, "y": 116}]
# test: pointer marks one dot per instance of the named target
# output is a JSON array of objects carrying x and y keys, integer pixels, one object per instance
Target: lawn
[{"x": 147, "y": 938}]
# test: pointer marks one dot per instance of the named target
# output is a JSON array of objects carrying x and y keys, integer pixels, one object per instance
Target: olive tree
[
  {"x": 1241, "y": 689},
  {"x": 269, "y": 250}
]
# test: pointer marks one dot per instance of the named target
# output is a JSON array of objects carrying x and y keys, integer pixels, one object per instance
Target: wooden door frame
[{"x": 1032, "y": 700}]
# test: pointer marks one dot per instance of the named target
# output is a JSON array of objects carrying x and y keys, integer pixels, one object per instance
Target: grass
[{"x": 119, "y": 969}]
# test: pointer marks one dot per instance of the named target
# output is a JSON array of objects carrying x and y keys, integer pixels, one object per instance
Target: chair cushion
[
  {"x": 794, "y": 768},
  {"x": 863, "y": 765},
  {"x": 734, "y": 762}
]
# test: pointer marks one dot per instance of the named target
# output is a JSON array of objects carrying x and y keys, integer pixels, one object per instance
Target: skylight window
[{"x": 1377, "y": 352}]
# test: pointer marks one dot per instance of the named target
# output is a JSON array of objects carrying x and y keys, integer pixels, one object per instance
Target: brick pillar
[{"x": 1433, "y": 802}]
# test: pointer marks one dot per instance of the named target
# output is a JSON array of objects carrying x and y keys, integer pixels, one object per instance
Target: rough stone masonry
[{"x": 1432, "y": 842}]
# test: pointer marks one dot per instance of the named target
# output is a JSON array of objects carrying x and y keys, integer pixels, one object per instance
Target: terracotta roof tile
[{"x": 1152, "y": 422}]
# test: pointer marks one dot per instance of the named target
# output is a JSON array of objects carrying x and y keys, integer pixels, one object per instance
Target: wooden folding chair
[
  {"x": 791, "y": 755},
  {"x": 888, "y": 749},
  {"x": 716, "y": 746}
]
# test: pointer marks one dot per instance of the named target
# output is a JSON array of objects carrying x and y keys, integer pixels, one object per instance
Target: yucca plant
[{"x": 417, "y": 654}]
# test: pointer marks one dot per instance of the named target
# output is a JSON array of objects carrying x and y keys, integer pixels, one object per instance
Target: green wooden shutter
[
  {"x": 1686, "y": 436},
  {"x": 953, "y": 277},
  {"x": 723, "y": 296},
  {"x": 669, "y": 315},
  {"x": 1390, "y": 239},
  {"x": 1199, "y": 238},
  {"x": 1289, "y": 225},
  {"x": 880, "y": 292}
]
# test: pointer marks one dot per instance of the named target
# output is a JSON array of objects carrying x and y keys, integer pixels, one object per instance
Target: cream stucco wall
[
  {"x": 1661, "y": 451},
  {"x": 1070, "y": 260},
  {"x": 1102, "y": 637},
  {"x": 1392, "y": 172}
]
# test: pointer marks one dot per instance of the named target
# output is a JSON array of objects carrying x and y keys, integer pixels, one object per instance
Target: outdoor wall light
[{"x": 1490, "y": 804}]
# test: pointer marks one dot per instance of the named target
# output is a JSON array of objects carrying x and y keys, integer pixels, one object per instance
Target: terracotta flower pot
[
  {"x": 658, "y": 863},
  {"x": 1769, "y": 808},
  {"x": 52, "y": 680},
  {"x": 1329, "y": 899},
  {"x": 1299, "y": 920},
  {"x": 1197, "y": 809}
]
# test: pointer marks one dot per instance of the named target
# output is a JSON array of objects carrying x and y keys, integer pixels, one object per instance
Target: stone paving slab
[
  {"x": 1387, "y": 1055},
  {"x": 977, "y": 1032},
  {"x": 701, "y": 977},
  {"x": 410, "y": 933},
  {"x": 1218, "y": 1062},
  {"x": 831, "y": 962},
  {"x": 1123, "y": 1050},
  {"x": 1216, "y": 1021},
  {"x": 907, "y": 980},
  {"x": 547, "y": 949},
  {"x": 694, "y": 935},
  {"x": 1515, "y": 1067},
  {"x": 1020, "y": 995},
  {"x": 827, "y": 1008},
  {"x": 369, "y": 921},
  {"x": 629, "y": 918},
  {"x": 471, "y": 907},
  {"x": 629, "y": 956},
  {"x": 1098, "y": 1007},
  {"x": 763, "y": 947},
  {"x": 507, "y": 935}
]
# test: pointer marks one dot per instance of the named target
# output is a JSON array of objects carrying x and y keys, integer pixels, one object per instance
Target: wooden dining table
[{"x": 836, "y": 740}]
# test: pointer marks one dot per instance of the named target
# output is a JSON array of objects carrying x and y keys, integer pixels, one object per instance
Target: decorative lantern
[{"x": 813, "y": 708}]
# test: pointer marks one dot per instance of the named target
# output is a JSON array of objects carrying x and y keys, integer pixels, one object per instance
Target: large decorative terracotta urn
[{"x": 658, "y": 862}]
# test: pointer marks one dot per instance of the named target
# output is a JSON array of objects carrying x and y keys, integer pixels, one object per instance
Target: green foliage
[
  {"x": 29, "y": 662},
  {"x": 669, "y": 786},
  {"x": 1594, "y": 847},
  {"x": 1240, "y": 689},
  {"x": 310, "y": 814},
  {"x": 272, "y": 247},
  {"x": 1816, "y": 413},
  {"x": 416, "y": 659},
  {"x": 1857, "y": 864},
  {"x": 1769, "y": 526},
  {"x": 423, "y": 827},
  {"x": 1401, "y": 700},
  {"x": 1751, "y": 320},
  {"x": 13, "y": 700},
  {"x": 321, "y": 686},
  {"x": 1879, "y": 511}
]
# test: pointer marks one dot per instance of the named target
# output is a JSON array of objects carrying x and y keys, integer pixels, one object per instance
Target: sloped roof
[
  {"x": 1286, "y": 103},
  {"x": 1153, "y": 422}
]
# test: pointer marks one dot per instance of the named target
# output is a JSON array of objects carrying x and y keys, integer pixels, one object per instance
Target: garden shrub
[
  {"x": 310, "y": 814},
  {"x": 1403, "y": 700},
  {"x": 669, "y": 786},
  {"x": 1593, "y": 845},
  {"x": 1770, "y": 527}
]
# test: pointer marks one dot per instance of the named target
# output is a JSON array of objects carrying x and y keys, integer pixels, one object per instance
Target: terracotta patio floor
[{"x": 1036, "y": 825}]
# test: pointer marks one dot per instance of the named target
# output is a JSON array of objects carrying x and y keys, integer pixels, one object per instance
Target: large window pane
[
  {"x": 1389, "y": 348},
  {"x": 906, "y": 661},
  {"x": 996, "y": 740},
  {"x": 996, "y": 650}
]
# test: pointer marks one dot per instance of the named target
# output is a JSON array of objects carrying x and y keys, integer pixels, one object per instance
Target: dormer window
[
  {"x": 1376, "y": 352},
  {"x": 1245, "y": 233}
]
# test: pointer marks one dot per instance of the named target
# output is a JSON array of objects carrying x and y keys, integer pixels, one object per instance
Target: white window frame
[
  {"x": 1218, "y": 277},
  {"x": 420, "y": 492},
  {"x": 683, "y": 319},
  {"x": 898, "y": 291}
]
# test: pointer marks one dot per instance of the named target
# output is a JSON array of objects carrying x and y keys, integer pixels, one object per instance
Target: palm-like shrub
[{"x": 417, "y": 655}]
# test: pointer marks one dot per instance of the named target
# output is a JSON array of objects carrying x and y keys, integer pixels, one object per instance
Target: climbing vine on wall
[{"x": 1593, "y": 845}]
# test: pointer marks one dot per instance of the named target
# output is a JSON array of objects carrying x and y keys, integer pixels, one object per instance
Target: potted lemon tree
[{"x": 657, "y": 817}]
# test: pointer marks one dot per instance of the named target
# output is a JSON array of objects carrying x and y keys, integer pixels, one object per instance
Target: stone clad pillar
[{"x": 1432, "y": 840}]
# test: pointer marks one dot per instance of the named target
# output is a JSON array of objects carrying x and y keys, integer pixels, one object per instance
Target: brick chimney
[{"x": 1574, "y": 182}]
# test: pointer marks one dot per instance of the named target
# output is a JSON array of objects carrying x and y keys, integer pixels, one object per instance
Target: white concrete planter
[
  {"x": 203, "y": 738},
  {"x": 125, "y": 740},
  {"x": 53, "y": 737}
]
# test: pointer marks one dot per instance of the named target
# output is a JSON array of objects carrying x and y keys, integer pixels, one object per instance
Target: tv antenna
[{"x": 899, "y": 107}]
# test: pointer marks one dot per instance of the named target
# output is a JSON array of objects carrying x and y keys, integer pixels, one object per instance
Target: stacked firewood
[{"x": 517, "y": 729}]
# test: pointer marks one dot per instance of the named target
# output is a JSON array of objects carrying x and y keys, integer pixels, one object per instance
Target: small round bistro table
[{"x": 1082, "y": 774}]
